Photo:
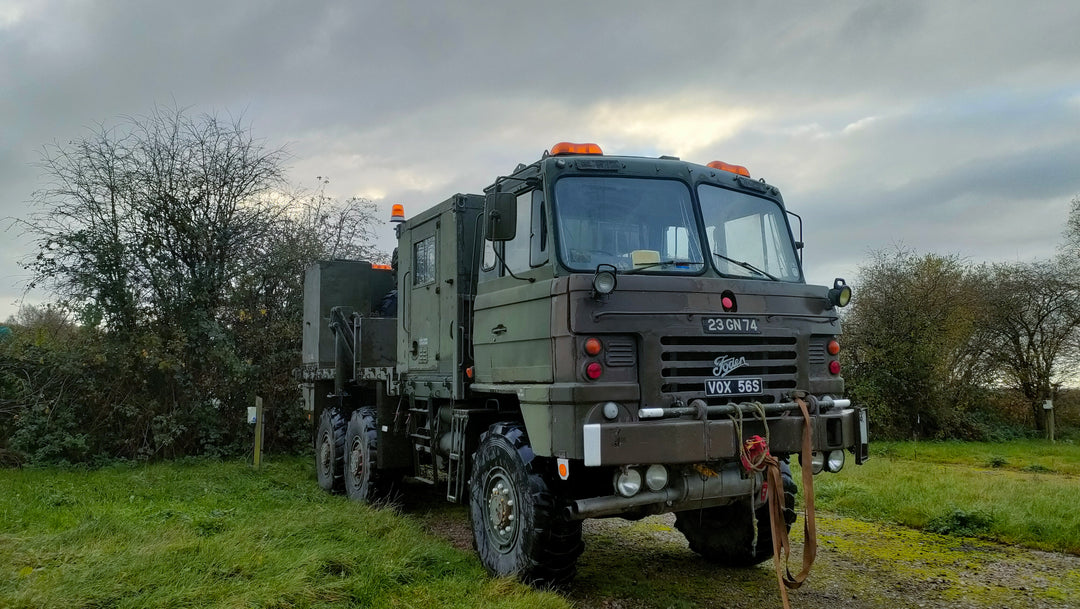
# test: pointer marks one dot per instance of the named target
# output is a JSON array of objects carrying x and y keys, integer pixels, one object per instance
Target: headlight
[
  {"x": 835, "y": 462},
  {"x": 628, "y": 482},
  {"x": 817, "y": 462},
  {"x": 656, "y": 477}
]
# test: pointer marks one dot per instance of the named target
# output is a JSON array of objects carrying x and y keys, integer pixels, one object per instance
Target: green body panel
[
  {"x": 435, "y": 296},
  {"x": 513, "y": 332},
  {"x": 334, "y": 283}
]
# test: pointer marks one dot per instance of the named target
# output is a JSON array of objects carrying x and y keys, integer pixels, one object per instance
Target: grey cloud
[{"x": 374, "y": 92}]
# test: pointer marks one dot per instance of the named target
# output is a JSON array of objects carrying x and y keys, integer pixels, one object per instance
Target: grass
[
  {"x": 1023, "y": 492},
  {"x": 1030, "y": 455},
  {"x": 211, "y": 534},
  {"x": 223, "y": 535}
]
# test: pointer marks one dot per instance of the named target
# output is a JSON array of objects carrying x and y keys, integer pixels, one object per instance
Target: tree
[
  {"x": 1069, "y": 259},
  {"x": 1035, "y": 321},
  {"x": 151, "y": 220},
  {"x": 266, "y": 305},
  {"x": 1071, "y": 252},
  {"x": 912, "y": 345},
  {"x": 173, "y": 240}
]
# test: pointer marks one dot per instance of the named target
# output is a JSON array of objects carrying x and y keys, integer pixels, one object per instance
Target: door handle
[{"x": 499, "y": 329}]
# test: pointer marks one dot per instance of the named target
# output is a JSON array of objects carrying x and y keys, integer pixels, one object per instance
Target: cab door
[
  {"x": 512, "y": 333},
  {"x": 422, "y": 295}
]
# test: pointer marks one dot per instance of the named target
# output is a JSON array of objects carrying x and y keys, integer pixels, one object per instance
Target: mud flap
[{"x": 862, "y": 438}]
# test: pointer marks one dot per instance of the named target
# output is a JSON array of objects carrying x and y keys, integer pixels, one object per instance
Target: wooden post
[
  {"x": 258, "y": 430},
  {"x": 1048, "y": 407}
]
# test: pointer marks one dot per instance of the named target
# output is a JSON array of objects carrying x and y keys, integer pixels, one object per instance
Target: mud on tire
[
  {"x": 330, "y": 450},
  {"x": 725, "y": 534},
  {"x": 516, "y": 527}
]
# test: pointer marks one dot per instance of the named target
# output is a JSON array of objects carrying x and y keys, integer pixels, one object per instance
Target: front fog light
[
  {"x": 656, "y": 477},
  {"x": 628, "y": 482},
  {"x": 835, "y": 462},
  {"x": 817, "y": 462}
]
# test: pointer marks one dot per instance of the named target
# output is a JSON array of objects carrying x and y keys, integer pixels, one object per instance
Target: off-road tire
[
  {"x": 536, "y": 545},
  {"x": 330, "y": 450},
  {"x": 725, "y": 534},
  {"x": 364, "y": 481}
]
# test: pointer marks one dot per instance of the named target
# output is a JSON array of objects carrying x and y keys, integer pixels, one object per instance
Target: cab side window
[
  {"x": 517, "y": 249},
  {"x": 424, "y": 260},
  {"x": 539, "y": 239},
  {"x": 531, "y": 243}
]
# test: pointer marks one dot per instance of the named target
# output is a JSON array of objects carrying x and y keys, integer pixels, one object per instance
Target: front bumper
[{"x": 701, "y": 440}]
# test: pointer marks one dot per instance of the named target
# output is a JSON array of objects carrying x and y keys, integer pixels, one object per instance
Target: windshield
[
  {"x": 748, "y": 235},
  {"x": 632, "y": 223}
]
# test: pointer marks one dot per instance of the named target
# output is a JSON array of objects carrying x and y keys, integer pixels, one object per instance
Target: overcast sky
[{"x": 951, "y": 127}]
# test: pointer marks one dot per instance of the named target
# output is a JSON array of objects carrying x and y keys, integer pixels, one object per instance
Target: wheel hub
[
  {"x": 324, "y": 453},
  {"x": 501, "y": 510},
  {"x": 357, "y": 460}
]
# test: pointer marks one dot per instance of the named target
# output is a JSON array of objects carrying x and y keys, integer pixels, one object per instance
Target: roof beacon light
[
  {"x": 572, "y": 148},
  {"x": 397, "y": 213},
  {"x": 736, "y": 169}
]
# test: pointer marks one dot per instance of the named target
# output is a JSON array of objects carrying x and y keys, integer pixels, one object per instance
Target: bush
[
  {"x": 910, "y": 346},
  {"x": 963, "y": 523},
  {"x": 84, "y": 395}
]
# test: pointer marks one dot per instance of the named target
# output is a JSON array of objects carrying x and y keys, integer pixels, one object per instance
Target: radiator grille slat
[{"x": 688, "y": 361}]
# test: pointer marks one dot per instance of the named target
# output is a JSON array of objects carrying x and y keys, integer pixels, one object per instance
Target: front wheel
[
  {"x": 515, "y": 525},
  {"x": 725, "y": 534}
]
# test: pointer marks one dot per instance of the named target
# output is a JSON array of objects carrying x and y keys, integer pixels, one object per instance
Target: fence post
[
  {"x": 1048, "y": 406},
  {"x": 258, "y": 431}
]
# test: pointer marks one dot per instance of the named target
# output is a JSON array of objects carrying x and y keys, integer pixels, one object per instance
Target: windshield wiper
[
  {"x": 746, "y": 265},
  {"x": 649, "y": 265}
]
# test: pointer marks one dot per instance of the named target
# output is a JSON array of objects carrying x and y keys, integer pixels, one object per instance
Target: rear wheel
[
  {"x": 364, "y": 481},
  {"x": 515, "y": 524},
  {"x": 330, "y": 450},
  {"x": 725, "y": 534}
]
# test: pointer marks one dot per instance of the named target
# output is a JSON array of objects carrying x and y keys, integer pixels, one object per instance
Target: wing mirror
[{"x": 500, "y": 216}]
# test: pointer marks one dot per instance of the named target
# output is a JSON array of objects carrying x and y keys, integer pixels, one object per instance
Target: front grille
[{"x": 687, "y": 362}]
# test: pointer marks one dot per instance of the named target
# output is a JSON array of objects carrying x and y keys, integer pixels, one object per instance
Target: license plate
[
  {"x": 730, "y": 325},
  {"x": 734, "y": 386}
]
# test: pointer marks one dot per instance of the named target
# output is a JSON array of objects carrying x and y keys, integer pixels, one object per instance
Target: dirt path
[{"x": 647, "y": 564}]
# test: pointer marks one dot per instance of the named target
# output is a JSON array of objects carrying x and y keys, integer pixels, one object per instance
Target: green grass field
[
  {"x": 1025, "y": 492},
  {"x": 211, "y": 534},
  {"x": 223, "y": 535}
]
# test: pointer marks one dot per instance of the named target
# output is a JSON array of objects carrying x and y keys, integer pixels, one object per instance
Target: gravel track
[{"x": 647, "y": 564}]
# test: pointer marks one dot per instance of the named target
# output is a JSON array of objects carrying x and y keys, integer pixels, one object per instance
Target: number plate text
[
  {"x": 733, "y": 386},
  {"x": 730, "y": 325}
]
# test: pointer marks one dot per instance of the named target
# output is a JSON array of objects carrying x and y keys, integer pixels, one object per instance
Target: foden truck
[{"x": 594, "y": 336}]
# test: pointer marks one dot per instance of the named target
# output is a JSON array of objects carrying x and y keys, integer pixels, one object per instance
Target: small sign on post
[
  {"x": 1048, "y": 406},
  {"x": 257, "y": 414}
]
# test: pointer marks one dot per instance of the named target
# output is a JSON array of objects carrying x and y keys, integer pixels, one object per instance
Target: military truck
[{"x": 594, "y": 336}]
